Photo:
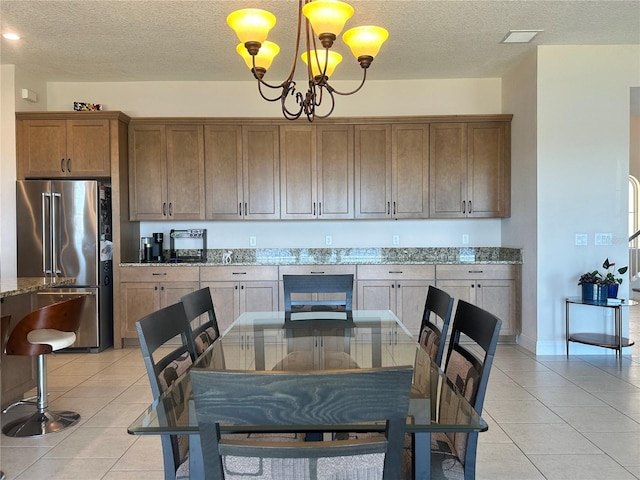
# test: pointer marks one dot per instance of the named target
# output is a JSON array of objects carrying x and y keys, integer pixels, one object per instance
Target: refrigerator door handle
[
  {"x": 54, "y": 233},
  {"x": 45, "y": 240}
]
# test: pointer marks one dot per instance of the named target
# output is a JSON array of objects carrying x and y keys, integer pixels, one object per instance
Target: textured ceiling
[{"x": 122, "y": 40}]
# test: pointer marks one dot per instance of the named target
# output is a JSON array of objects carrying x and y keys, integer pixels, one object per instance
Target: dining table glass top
[{"x": 267, "y": 341}]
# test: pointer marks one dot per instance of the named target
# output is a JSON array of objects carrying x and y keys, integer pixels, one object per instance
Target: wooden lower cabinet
[
  {"x": 399, "y": 288},
  {"x": 239, "y": 289},
  {"x": 144, "y": 290},
  {"x": 491, "y": 287}
]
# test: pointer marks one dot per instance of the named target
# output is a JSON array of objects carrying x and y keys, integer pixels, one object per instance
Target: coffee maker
[
  {"x": 157, "y": 251},
  {"x": 146, "y": 249}
]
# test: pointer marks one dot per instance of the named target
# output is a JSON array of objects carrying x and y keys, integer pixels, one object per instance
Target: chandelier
[{"x": 320, "y": 22}]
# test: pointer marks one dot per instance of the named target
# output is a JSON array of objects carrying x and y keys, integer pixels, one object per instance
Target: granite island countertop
[
  {"x": 349, "y": 256},
  {"x": 19, "y": 285}
]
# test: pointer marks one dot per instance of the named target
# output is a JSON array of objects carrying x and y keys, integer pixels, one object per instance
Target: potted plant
[
  {"x": 610, "y": 280},
  {"x": 593, "y": 287}
]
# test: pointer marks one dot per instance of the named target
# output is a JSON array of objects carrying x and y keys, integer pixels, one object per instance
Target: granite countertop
[
  {"x": 19, "y": 285},
  {"x": 348, "y": 256}
]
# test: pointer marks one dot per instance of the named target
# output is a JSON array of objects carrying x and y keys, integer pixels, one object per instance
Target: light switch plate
[
  {"x": 582, "y": 239},
  {"x": 252, "y": 241}
]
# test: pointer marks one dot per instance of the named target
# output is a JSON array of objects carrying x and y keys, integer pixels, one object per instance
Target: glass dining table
[{"x": 266, "y": 341}]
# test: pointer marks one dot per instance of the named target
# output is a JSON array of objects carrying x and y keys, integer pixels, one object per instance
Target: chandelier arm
[
  {"x": 295, "y": 55},
  {"x": 283, "y": 91},
  {"x": 288, "y": 114},
  {"x": 333, "y": 104},
  {"x": 332, "y": 90}
]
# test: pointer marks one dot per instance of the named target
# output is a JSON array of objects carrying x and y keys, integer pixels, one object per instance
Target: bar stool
[{"x": 40, "y": 333}]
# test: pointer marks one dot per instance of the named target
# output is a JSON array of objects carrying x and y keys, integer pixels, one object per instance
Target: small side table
[{"x": 616, "y": 342}]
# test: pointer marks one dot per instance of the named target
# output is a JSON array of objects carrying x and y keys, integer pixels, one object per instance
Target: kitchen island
[{"x": 18, "y": 373}]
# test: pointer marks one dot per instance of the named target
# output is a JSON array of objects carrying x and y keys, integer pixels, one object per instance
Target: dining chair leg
[{"x": 421, "y": 455}]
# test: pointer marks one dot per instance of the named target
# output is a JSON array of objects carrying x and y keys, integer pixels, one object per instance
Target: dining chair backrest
[
  {"x": 165, "y": 362},
  {"x": 435, "y": 323},
  {"x": 474, "y": 338},
  {"x": 325, "y": 285},
  {"x": 303, "y": 401},
  {"x": 204, "y": 330}
]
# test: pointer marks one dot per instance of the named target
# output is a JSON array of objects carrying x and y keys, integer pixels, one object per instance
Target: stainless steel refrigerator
[{"x": 64, "y": 230}]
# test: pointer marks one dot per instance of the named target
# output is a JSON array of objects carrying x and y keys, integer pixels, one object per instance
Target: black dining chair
[
  {"x": 166, "y": 361},
  {"x": 474, "y": 337},
  {"x": 304, "y": 401},
  {"x": 198, "y": 307},
  {"x": 435, "y": 323},
  {"x": 334, "y": 293}
]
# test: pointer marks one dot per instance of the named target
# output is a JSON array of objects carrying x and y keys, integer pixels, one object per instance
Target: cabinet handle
[
  {"x": 235, "y": 287},
  {"x": 476, "y": 271},
  {"x": 162, "y": 288},
  {"x": 170, "y": 209},
  {"x": 163, "y": 274},
  {"x": 155, "y": 288},
  {"x": 469, "y": 206},
  {"x": 240, "y": 209},
  {"x": 473, "y": 285},
  {"x": 394, "y": 208},
  {"x": 69, "y": 165},
  {"x": 238, "y": 273},
  {"x": 164, "y": 209},
  {"x": 395, "y": 271},
  {"x": 246, "y": 211},
  {"x": 464, "y": 206},
  {"x": 319, "y": 208},
  {"x": 479, "y": 286},
  {"x": 241, "y": 287},
  {"x": 316, "y": 273},
  {"x": 62, "y": 165},
  {"x": 393, "y": 285},
  {"x": 399, "y": 286},
  {"x": 388, "y": 208},
  {"x": 314, "y": 209}
]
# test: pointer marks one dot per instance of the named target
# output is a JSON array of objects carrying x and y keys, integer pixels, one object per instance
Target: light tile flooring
[{"x": 549, "y": 418}]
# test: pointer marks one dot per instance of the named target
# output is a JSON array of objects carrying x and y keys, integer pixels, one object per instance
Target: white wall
[
  {"x": 583, "y": 165},
  {"x": 519, "y": 96},
  {"x": 377, "y": 98}
]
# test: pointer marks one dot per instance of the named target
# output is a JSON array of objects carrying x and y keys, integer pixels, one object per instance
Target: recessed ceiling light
[
  {"x": 11, "y": 36},
  {"x": 520, "y": 36}
]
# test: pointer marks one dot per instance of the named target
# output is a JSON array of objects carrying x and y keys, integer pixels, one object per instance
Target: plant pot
[
  {"x": 594, "y": 293},
  {"x": 612, "y": 290}
]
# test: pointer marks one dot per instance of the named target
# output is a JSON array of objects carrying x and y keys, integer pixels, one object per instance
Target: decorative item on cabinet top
[{"x": 194, "y": 243}]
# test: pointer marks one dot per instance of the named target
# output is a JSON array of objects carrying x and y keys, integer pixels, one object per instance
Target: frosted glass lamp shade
[
  {"x": 318, "y": 60},
  {"x": 327, "y": 16},
  {"x": 266, "y": 54},
  {"x": 365, "y": 41},
  {"x": 251, "y": 24}
]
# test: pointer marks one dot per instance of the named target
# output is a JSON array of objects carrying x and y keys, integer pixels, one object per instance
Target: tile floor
[{"x": 549, "y": 418}]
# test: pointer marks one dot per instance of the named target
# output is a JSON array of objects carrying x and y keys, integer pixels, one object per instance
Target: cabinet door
[
  {"x": 88, "y": 148},
  {"x": 43, "y": 150},
  {"x": 298, "y": 173},
  {"x": 488, "y": 170},
  {"x": 137, "y": 299},
  {"x": 226, "y": 301},
  {"x": 260, "y": 171},
  {"x": 147, "y": 172},
  {"x": 411, "y": 297},
  {"x": 410, "y": 171},
  {"x": 373, "y": 171},
  {"x": 185, "y": 172},
  {"x": 335, "y": 171},
  {"x": 459, "y": 290},
  {"x": 448, "y": 170},
  {"x": 223, "y": 172},
  {"x": 376, "y": 295},
  {"x": 171, "y": 292},
  {"x": 499, "y": 298},
  {"x": 259, "y": 296}
]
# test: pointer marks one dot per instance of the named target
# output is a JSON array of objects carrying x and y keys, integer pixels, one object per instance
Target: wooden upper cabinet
[
  {"x": 470, "y": 170},
  {"x": 373, "y": 171},
  {"x": 260, "y": 172},
  {"x": 316, "y": 172},
  {"x": 489, "y": 169},
  {"x": 392, "y": 171},
  {"x": 166, "y": 172},
  {"x": 410, "y": 171},
  {"x": 64, "y": 148},
  {"x": 223, "y": 172}
]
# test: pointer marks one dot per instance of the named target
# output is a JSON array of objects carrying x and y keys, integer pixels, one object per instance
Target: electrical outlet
[
  {"x": 328, "y": 240},
  {"x": 395, "y": 239},
  {"x": 603, "y": 239},
  {"x": 582, "y": 239},
  {"x": 252, "y": 241},
  {"x": 465, "y": 239}
]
